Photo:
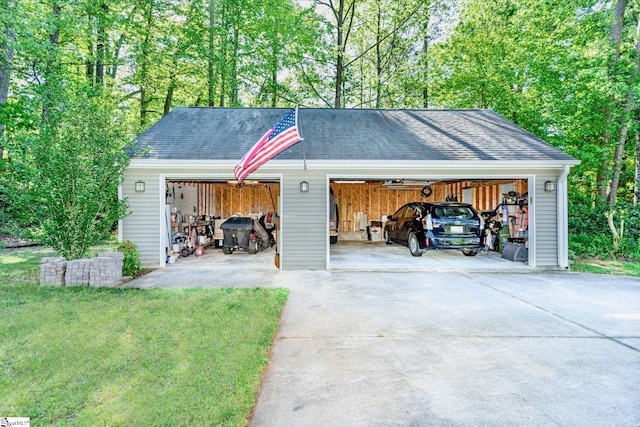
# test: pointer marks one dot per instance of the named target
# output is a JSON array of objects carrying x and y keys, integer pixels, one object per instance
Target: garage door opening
[
  {"x": 219, "y": 220},
  {"x": 365, "y": 205}
]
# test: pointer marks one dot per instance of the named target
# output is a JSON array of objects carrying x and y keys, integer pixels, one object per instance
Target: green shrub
[
  {"x": 586, "y": 244},
  {"x": 131, "y": 265},
  {"x": 584, "y": 214}
]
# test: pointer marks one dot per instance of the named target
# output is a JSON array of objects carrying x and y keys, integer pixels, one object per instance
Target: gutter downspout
[{"x": 563, "y": 219}]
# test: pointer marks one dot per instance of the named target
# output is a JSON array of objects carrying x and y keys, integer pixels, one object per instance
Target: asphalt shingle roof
[{"x": 347, "y": 134}]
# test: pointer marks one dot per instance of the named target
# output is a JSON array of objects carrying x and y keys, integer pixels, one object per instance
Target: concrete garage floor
[
  {"x": 241, "y": 269},
  {"x": 452, "y": 347},
  {"x": 378, "y": 256}
]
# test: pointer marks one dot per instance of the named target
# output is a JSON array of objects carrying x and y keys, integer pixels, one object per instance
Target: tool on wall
[{"x": 426, "y": 191}]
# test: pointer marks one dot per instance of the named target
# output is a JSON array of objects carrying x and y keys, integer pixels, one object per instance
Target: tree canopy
[{"x": 565, "y": 70}]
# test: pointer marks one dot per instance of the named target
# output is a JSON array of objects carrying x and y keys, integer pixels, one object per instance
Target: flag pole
[{"x": 304, "y": 154}]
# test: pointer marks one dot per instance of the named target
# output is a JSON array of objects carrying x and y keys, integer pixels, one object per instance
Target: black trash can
[{"x": 236, "y": 231}]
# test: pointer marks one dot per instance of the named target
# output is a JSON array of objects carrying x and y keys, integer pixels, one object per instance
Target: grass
[
  {"x": 601, "y": 266},
  {"x": 95, "y": 356}
]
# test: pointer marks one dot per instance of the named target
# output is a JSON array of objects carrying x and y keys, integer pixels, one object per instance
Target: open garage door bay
[{"x": 364, "y": 206}]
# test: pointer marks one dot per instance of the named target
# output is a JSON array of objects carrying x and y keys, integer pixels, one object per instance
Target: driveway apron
[{"x": 454, "y": 349}]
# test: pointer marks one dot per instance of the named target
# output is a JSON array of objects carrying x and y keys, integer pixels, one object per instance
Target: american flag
[{"x": 282, "y": 136}]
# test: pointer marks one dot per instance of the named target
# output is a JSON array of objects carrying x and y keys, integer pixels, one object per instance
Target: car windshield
[{"x": 461, "y": 212}]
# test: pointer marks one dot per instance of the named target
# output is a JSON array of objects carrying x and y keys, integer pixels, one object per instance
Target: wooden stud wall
[
  {"x": 223, "y": 200},
  {"x": 376, "y": 200}
]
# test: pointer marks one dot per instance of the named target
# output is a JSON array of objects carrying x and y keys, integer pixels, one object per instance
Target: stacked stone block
[
  {"x": 105, "y": 270},
  {"x": 78, "y": 272},
  {"x": 52, "y": 271}
]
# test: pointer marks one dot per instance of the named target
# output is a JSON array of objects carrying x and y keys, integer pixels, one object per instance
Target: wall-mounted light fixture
[
  {"x": 549, "y": 186},
  {"x": 304, "y": 187},
  {"x": 139, "y": 186}
]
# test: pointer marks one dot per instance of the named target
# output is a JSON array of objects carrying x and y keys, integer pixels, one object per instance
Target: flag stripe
[
  {"x": 256, "y": 147},
  {"x": 276, "y": 145},
  {"x": 282, "y": 136},
  {"x": 267, "y": 153}
]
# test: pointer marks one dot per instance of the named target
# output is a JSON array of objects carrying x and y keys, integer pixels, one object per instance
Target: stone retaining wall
[{"x": 104, "y": 270}]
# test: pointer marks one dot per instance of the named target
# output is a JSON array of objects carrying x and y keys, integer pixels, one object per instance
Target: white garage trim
[{"x": 563, "y": 219}]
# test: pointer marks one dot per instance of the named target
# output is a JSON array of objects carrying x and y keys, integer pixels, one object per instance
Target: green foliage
[
  {"x": 131, "y": 265},
  {"x": 589, "y": 234},
  {"x": 548, "y": 65},
  {"x": 65, "y": 172},
  {"x": 591, "y": 244},
  {"x": 586, "y": 216},
  {"x": 86, "y": 356}
]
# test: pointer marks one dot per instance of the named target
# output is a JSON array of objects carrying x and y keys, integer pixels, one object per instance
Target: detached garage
[{"x": 370, "y": 161}]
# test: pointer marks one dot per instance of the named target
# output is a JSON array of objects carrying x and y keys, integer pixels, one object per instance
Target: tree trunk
[
  {"x": 612, "y": 227},
  {"x": 624, "y": 123},
  {"x": 425, "y": 52},
  {"x": 222, "y": 64},
  {"x": 274, "y": 74},
  {"x": 234, "y": 68},
  {"x": 343, "y": 27},
  {"x": 6, "y": 63},
  {"x": 144, "y": 65},
  {"x": 113, "y": 71},
  {"x": 616, "y": 39},
  {"x": 211, "y": 72},
  {"x": 89, "y": 65},
  {"x": 169, "y": 98},
  {"x": 143, "y": 107},
  {"x": 378, "y": 55},
  {"x": 54, "y": 39},
  {"x": 100, "y": 45},
  {"x": 339, "y": 69},
  {"x": 51, "y": 62},
  {"x": 636, "y": 187}
]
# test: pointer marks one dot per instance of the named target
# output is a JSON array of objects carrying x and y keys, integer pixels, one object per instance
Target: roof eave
[{"x": 350, "y": 165}]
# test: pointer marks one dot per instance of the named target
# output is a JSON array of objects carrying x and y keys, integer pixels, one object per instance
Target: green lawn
[
  {"x": 85, "y": 356},
  {"x": 596, "y": 265}
]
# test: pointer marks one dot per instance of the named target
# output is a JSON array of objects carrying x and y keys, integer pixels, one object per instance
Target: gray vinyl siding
[
  {"x": 142, "y": 225},
  {"x": 303, "y": 216},
  {"x": 546, "y": 223},
  {"x": 304, "y": 222}
]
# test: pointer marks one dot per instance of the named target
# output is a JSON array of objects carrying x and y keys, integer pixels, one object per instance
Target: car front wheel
[
  {"x": 386, "y": 236},
  {"x": 414, "y": 246}
]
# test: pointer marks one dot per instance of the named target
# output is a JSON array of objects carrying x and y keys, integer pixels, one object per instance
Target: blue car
[{"x": 423, "y": 226}]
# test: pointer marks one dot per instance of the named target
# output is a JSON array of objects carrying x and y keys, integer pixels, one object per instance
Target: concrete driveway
[
  {"x": 441, "y": 347},
  {"x": 455, "y": 349}
]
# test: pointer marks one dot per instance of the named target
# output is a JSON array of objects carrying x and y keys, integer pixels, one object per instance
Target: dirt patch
[{"x": 7, "y": 241}]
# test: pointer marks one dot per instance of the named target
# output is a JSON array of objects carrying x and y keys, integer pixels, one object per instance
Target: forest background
[{"x": 80, "y": 78}]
